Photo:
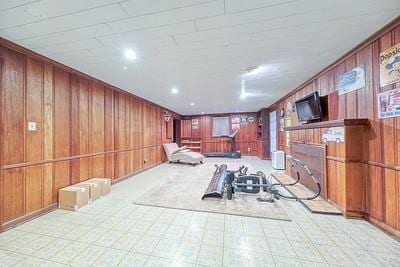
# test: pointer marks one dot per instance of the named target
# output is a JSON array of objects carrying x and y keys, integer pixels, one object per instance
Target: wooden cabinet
[{"x": 343, "y": 174}]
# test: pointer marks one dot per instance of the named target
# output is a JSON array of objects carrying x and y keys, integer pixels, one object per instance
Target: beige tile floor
[{"x": 114, "y": 232}]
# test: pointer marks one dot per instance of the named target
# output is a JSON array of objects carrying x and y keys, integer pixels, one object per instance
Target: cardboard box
[
  {"x": 73, "y": 197},
  {"x": 94, "y": 189},
  {"x": 105, "y": 184}
]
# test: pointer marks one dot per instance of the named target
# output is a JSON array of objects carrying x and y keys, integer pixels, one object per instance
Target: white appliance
[{"x": 278, "y": 160}]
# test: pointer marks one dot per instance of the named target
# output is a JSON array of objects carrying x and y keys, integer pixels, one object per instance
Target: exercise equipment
[
  {"x": 216, "y": 186},
  {"x": 240, "y": 182},
  {"x": 233, "y": 154}
]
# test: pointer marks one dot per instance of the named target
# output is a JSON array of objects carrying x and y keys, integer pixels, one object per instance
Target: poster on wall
[
  {"x": 235, "y": 126},
  {"x": 333, "y": 134},
  {"x": 389, "y": 65},
  {"x": 389, "y": 104},
  {"x": 352, "y": 80},
  {"x": 235, "y": 119},
  {"x": 195, "y": 124}
]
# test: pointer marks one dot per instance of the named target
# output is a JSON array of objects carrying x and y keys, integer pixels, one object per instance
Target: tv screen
[{"x": 309, "y": 108}]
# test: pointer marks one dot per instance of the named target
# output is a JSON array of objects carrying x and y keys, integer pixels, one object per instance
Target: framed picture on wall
[
  {"x": 195, "y": 124},
  {"x": 389, "y": 104},
  {"x": 389, "y": 65},
  {"x": 235, "y": 119}
]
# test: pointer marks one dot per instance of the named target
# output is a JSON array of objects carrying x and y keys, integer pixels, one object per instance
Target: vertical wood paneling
[
  {"x": 48, "y": 92},
  {"x": 34, "y": 139},
  {"x": 382, "y": 155},
  {"x": 74, "y": 129},
  {"x": 61, "y": 129},
  {"x": 84, "y": 129}
]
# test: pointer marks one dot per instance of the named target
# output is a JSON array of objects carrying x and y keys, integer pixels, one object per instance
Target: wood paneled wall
[
  {"x": 246, "y": 139},
  {"x": 85, "y": 129},
  {"x": 382, "y": 159}
]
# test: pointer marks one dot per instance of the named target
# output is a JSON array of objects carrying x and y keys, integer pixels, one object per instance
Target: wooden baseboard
[
  {"x": 28, "y": 217},
  {"x": 354, "y": 214},
  {"x": 120, "y": 179},
  {"x": 384, "y": 227}
]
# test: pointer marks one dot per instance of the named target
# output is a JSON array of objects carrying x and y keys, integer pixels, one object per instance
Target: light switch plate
[{"x": 31, "y": 126}]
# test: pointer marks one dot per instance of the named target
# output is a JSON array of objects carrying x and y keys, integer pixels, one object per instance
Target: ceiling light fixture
[
  {"x": 130, "y": 54},
  {"x": 124, "y": 67},
  {"x": 174, "y": 91},
  {"x": 252, "y": 71},
  {"x": 202, "y": 112},
  {"x": 192, "y": 104}
]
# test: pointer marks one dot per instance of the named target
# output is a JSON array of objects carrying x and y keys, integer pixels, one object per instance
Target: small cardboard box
[
  {"x": 73, "y": 197},
  {"x": 105, "y": 184},
  {"x": 94, "y": 189}
]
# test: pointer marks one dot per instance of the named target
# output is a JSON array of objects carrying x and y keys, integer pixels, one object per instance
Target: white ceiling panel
[
  {"x": 77, "y": 20},
  {"x": 139, "y": 7},
  {"x": 8, "y": 4},
  {"x": 73, "y": 46},
  {"x": 151, "y": 33},
  {"x": 201, "y": 47},
  {"x": 177, "y": 15},
  {"x": 68, "y": 36}
]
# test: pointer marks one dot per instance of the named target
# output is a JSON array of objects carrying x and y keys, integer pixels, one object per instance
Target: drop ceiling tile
[
  {"x": 77, "y": 20},
  {"x": 16, "y": 33},
  {"x": 189, "y": 13},
  {"x": 66, "y": 47},
  {"x": 139, "y": 7},
  {"x": 46, "y": 9},
  {"x": 7, "y": 17},
  {"x": 233, "y": 6},
  {"x": 68, "y": 36},
  {"x": 7, "y": 4},
  {"x": 124, "y": 42},
  {"x": 152, "y": 33}
]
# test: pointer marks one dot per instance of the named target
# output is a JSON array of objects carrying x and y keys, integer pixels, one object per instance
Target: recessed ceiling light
[
  {"x": 192, "y": 104},
  {"x": 174, "y": 90},
  {"x": 130, "y": 54},
  {"x": 124, "y": 67},
  {"x": 202, "y": 112},
  {"x": 254, "y": 70}
]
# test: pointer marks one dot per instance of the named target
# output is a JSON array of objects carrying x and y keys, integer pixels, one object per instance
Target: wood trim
[
  {"x": 38, "y": 213},
  {"x": 33, "y": 163},
  {"x": 343, "y": 160},
  {"x": 363, "y": 44},
  {"x": 27, "y": 217},
  {"x": 385, "y": 227},
  {"x": 328, "y": 124},
  {"x": 383, "y": 165},
  {"x": 368, "y": 162},
  {"x": 120, "y": 179},
  {"x": 222, "y": 114}
]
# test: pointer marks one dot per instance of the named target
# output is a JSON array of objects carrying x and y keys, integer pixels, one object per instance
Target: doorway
[{"x": 177, "y": 131}]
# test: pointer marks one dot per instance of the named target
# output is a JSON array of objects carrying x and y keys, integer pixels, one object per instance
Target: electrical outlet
[
  {"x": 248, "y": 149},
  {"x": 31, "y": 126},
  {"x": 144, "y": 161}
]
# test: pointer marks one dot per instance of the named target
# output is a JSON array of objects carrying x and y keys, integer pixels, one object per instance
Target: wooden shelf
[
  {"x": 328, "y": 124},
  {"x": 193, "y": 143}
]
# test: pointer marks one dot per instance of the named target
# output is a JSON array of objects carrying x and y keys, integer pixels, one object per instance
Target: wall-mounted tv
[{"x": 309, "y": 108}]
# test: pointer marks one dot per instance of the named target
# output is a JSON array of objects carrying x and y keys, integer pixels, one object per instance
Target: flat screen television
[{"x": 309, "y": 108}]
